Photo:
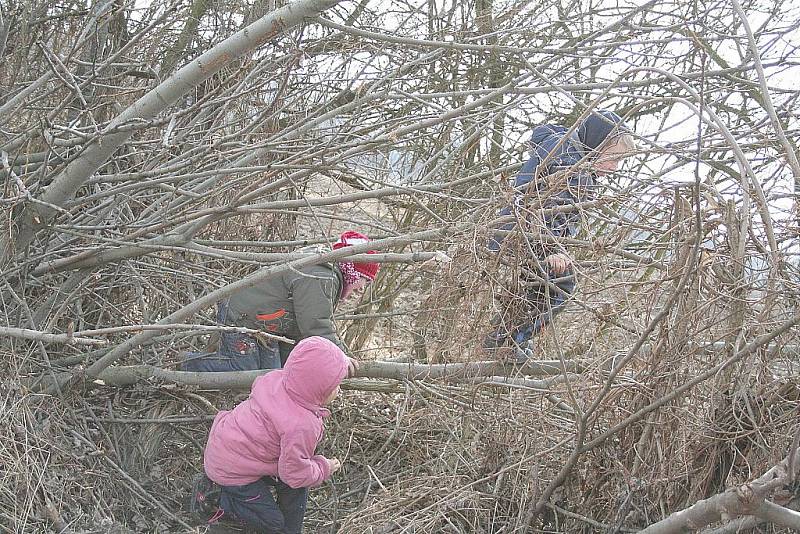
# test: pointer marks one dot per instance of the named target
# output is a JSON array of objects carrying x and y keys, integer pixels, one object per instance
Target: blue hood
[
  {"x": 598, "y": 126},
  {"x": 549, "y": 147},
  {"x": 545, "y": 132}
]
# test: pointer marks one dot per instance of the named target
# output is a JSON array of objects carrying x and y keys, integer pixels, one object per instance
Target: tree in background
[{"x": 155, "y": 155}]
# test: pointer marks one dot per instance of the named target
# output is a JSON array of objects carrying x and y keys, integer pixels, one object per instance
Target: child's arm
[
  {"x": 298, "y": 466},
  {"x": 313, "y": 306}
]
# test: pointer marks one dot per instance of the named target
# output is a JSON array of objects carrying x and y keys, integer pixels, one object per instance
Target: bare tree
[{"x": 158, "y": 156}]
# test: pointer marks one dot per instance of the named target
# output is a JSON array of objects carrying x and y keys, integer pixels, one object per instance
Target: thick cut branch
[
  {"x": 746, "y": 523},
  {"x": 128, "y": 375},
  {"x": 67, "y": 183},
  {"x": 747, "y": 499}
]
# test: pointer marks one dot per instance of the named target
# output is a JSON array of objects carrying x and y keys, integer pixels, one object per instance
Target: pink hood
[
  {"x": 315, "y": 367},
  {"x": 275, "y": 431}
]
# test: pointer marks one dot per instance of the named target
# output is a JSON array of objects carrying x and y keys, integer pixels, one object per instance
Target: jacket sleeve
[
  {"x": 313, "y": 295},
  {"x": 559, "y": 194},
  {"x": 580, "y": 188},
  {"x": 523, "y": 178},
  {"x": 298, "y": 466},
  {"x": 533, "y": 191},
  {"x": 497, "y": 238}
]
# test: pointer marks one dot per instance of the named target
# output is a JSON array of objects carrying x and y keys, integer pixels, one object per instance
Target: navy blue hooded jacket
[{"x": 551, "y": 151}]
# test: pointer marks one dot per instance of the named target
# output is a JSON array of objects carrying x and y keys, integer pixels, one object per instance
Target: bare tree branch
[{"x": 64, "y": 186}]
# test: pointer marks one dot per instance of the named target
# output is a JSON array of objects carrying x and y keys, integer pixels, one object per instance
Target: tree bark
[
  {"x": 470, "y": 372},
  {"x": 35, "y": 217},
  {"x": 27, "y": 333},
  {"x": 189, "y": 32},
  {"x": 747, "y": 499},
  {"x": 746, "y": 523}
]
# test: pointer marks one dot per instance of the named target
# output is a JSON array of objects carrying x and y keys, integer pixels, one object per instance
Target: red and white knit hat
[{"x": 369, "y": 270}]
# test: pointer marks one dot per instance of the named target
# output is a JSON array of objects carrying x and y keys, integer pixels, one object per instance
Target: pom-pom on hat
[{"x": 369, "y": 270}]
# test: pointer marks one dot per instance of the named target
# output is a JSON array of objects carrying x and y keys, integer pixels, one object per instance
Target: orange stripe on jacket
[{"x": 271, "y": 316}]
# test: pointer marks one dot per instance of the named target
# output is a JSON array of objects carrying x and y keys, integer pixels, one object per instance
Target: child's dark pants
[
  {"x": 254, "y": 504},
  {"x": 542, "y": 304},
  {"x": 236, "y": 352}
]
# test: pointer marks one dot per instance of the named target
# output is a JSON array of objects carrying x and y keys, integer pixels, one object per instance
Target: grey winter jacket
[{"x": 297, "y": 304}]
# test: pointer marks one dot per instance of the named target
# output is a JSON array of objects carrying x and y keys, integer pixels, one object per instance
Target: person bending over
[
  {"x": 267, "y": 444},
  {"x": 296, "y": 304}
]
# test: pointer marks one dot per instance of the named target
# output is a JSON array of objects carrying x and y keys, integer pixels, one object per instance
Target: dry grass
[{"x": 437, "y": 456}]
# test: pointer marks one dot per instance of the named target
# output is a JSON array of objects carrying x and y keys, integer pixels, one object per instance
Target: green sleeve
[{"x": 313, "y": 295}]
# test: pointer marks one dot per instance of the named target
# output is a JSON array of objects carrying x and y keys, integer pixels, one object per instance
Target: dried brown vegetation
[{"x": 150, "y": 167}]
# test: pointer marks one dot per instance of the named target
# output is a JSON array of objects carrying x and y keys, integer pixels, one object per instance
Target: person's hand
[
  {"x": 558, "y": 263},
  {"x": 352, "y": 367},
  {"x": 334, "y": 464}
]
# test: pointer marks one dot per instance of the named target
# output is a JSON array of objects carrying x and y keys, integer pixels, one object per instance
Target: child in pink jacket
[{"x": 268, "y": 441}]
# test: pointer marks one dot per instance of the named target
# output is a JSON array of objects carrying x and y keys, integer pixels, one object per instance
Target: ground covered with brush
[{"x": 419, "y": 456}]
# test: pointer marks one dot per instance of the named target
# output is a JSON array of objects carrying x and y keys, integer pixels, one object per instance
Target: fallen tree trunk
[
  {"x": 492, "y": 370},
  {"x": 747, "y": 499}
]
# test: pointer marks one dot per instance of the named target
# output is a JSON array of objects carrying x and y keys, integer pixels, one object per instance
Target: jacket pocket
[
  {"x": 240, "y": 351},
  {"x": 279, "y": 321}
]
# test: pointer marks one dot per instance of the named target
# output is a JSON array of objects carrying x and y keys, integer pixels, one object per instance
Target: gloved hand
[
  {"x": 521, "y": 355},
  {"x": 352, "y": 367}
]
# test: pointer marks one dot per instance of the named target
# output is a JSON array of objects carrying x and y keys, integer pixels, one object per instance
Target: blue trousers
[
  {"x": 254, "y": 505},
  {"x": 542, "y": 303},
  {"x": 236, "y": 352}
]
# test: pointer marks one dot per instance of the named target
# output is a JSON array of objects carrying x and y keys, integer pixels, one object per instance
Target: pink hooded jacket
[{"x": 275, "y": 431}]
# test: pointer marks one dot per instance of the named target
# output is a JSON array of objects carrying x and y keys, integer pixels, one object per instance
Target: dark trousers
[
  {"x": 520, "y": 322},
  {"x": 236, "y": 352},
  {"x": 254, "y": 505}
]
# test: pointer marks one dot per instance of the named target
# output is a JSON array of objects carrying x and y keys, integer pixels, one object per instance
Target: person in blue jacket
[{"x": 562, "y": 171}]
